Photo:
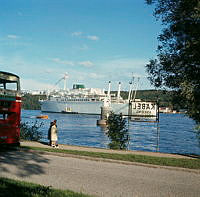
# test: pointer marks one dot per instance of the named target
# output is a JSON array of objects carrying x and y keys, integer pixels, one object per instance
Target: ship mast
[
  {"x": 130, "y": 90},
  {"x": 136, "y": 89},
  {"x": 109, "y": 86},
  {"x": 132, "y": 85}
]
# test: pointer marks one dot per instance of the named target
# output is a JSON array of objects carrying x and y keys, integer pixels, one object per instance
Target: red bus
[{"x": 10, "y": 108}]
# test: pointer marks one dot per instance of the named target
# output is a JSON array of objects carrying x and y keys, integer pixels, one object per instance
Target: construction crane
[{"x": 63, "y": 78}]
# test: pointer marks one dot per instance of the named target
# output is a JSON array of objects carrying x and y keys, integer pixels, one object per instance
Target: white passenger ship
[{"x": 83, "y": 100}]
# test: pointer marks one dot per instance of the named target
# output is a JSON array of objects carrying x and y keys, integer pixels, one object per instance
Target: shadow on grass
[{"x": 21, "y": 163}]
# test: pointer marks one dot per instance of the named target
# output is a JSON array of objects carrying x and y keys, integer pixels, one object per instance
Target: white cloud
[
  {"x": 121, "y": 70},
  {"x": 96, "y": 76},
  {"x": 86, "y": 63},
  {"x": 84, "y": 47},
  {"x": 124, "y": 66},
  {"x": 49, "y": 70},
  {"x": 71, "y": 63},
  {"x": 31, "y": 84},
  {"x": 12, "y": 36},
  {"x": 15, "y": 64},
  {"x": 12, "y": 40},
  {"x": 81, "y": 34},
  {"x": 59, "y": 61},
  {"x": 95, "y": 38},
  {"x": 43, "y": 75},
  {"x": 77, "y": 33}
]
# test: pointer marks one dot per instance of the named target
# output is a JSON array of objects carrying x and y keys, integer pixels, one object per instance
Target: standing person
[
  {"x": 49, "y": 133},
  {"x": 54, "y": 136}
]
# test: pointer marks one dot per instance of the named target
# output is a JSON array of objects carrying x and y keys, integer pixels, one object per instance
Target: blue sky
[{"x": 94, "y": 41}]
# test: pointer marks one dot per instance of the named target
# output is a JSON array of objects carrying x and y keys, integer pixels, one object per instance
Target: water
[{"x": 174, "y": 133}]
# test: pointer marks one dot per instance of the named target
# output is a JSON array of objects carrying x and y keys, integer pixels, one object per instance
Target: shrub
[
  {"x": 117, "y": 132},
  {"x": 30, "y": 131}
]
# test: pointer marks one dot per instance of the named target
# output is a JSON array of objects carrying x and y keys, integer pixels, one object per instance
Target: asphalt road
[{"x": 97, "y": 177}]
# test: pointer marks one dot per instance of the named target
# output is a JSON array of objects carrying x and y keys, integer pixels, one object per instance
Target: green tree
[
  {"x": 117, "y": 132},
  {"x": 178, "y": 61}
]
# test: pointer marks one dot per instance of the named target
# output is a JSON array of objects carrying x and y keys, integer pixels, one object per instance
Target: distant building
[
  {"x": 165, "y": 110},
  {"x": 34, "y": 92}
]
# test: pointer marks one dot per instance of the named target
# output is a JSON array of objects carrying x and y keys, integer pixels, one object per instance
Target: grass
[
  {"x": 162, "y": 161},
  {"x": 13, "y": 188}
]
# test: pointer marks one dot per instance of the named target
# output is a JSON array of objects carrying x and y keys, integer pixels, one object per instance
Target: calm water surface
[{"x": 173, "y": 134}]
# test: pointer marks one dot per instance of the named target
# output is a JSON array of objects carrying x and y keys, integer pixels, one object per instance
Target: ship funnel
[
  {"x": 109, "y": 87},
  {"x": 118, "y": 93}
]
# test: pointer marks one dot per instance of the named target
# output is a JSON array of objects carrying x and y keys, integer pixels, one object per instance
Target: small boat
[{"x": 42, "y": 117}]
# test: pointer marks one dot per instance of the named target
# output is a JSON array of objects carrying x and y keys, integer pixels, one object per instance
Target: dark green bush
[
  {"x": 117, "y": 132},
  {"x": 31, "y": 131}
]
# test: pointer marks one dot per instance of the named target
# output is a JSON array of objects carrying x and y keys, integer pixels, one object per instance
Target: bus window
[
  {"x": 3, "y": 116},
  {"x": 11, "y": 86},
  {"x": 6, "y": 104}
]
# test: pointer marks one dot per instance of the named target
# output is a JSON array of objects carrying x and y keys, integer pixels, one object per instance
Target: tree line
[{"x": 31, "y": 102}]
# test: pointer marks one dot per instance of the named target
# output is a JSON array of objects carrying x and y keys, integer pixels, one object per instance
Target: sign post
[{"x": 140, "y": 110}]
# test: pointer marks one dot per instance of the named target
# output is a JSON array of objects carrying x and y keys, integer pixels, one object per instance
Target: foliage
[
  {"x": 31, "y": 101},
  {"x": 30, "y": 131},
  {"x": 178, "y": 61},
  {"x": 117, "y": 132}
]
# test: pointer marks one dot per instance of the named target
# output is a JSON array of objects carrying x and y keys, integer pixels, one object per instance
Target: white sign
[{"x": 144, "y": 109}]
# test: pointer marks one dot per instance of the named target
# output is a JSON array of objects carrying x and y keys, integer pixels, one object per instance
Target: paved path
[{"x": 99, "y": 178}]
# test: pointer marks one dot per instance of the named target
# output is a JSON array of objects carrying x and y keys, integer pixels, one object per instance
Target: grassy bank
[
  {"x": 13, "y": 188},
  {"x": 162, "y": 161}
]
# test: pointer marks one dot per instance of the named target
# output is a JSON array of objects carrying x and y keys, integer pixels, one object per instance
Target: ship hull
[
  {"x": 81, "y": 107},
  {"x": 72, "y": 107}
]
